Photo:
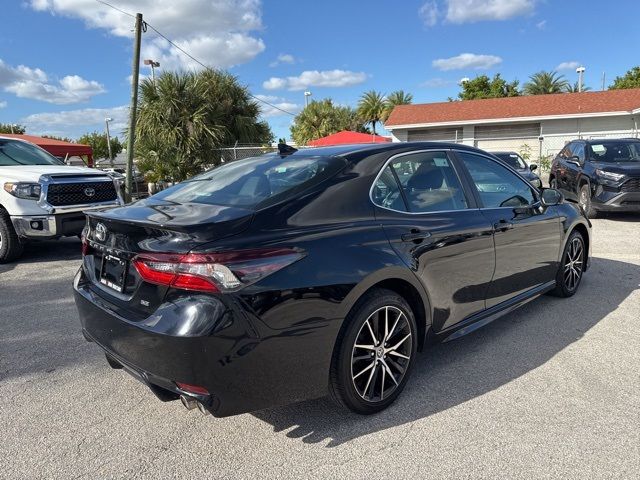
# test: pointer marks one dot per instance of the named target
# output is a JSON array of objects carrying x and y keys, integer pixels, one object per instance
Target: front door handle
[
  {"x": 503, "y": 225},
  {"x": 415, "y": 235}
]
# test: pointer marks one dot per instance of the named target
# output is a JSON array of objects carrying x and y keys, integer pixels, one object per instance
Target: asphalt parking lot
[{"x": 549, "y": 391}]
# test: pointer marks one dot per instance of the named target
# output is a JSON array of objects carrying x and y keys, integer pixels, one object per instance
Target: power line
[{"x": 173, "y": 44}]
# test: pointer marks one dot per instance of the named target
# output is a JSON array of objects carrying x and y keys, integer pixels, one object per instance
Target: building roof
[
  {"x": 347, "y": 137},
  {"x": 517, "y": 108},
  {"x": 54, "y": 147}
]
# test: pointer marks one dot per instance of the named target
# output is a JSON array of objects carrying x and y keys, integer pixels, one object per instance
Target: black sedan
[
  {"x": 515, "y": 161},
  {"x": 292, "y": 275}
]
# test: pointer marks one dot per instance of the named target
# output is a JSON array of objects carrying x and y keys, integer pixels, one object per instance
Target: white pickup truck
[{"x": 42, "y": 198}]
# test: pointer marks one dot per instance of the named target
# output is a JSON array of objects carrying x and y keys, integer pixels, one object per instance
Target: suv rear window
[{"x": 254, "y": 182}]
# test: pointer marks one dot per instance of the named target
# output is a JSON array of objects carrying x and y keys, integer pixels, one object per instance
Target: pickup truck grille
[
  {"x": 631, "y": 185},
  {"x": 82, "y": 193}
]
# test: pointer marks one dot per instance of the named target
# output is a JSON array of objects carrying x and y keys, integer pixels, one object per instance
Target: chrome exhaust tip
[
  {"x": 189, "y": 403},
  {"x": 203, "y": 409}
]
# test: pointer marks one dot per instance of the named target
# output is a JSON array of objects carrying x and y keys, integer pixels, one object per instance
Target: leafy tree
[
  {"x": 371, "y": 108},
  {"x": 574, "y": 88},
  {"x": 399, "y": 97},
  {"x": 631, "y": 79},
  {"x": 98, "y": 142},
  {"x": 322, "y": 118},
  {"x": 62, "y": 139},
  {"x": 484, "y": 87},
  {"x": 184, "y": 117},
  {"x": 542, "y": 83},
  {"x": 7, "y": 128}
]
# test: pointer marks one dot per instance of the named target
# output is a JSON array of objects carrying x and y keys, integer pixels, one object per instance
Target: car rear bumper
[{"x": 212, "y": 343}]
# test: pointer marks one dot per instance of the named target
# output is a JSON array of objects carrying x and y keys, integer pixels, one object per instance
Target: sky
[{"x": 65, "y": 65}]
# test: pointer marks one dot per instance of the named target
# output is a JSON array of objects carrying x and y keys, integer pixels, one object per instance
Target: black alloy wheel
[
  {"x": 375, "y": 353},
  {"x": 572, "y": 266}
]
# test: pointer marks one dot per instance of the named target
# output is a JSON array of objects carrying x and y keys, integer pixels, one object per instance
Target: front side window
[
  {"x": 497, "y": 186},
  {"x": 577, "y": 150},
  {"x": 428, "y": 181},
  {"x": 16, "y": 152}
]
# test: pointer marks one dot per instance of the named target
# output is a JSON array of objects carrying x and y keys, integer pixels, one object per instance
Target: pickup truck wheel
[{"x": 10, "y": 246}]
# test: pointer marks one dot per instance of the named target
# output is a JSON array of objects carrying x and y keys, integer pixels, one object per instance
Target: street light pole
[
  {"x": 580, "y": 72},
  {"x": 153, "y": 64},
  {"x": 307, "y": 94},
  {"x": 106, "y": 122}
]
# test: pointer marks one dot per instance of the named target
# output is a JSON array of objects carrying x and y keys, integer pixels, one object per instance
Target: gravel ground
[{"x": 549, "y": 391}]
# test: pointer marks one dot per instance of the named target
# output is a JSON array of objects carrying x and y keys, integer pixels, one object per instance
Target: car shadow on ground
[
  {"x": 452, "y": 373},
  {"x": 47, "y": 251},
  {"x": 620, "y": 216}
]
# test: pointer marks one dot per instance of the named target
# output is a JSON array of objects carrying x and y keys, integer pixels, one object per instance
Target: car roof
[
  {"x": 504, "y": 152},
  {"x": 620, "y": 140},
  {"x": 374, "y": 148}
]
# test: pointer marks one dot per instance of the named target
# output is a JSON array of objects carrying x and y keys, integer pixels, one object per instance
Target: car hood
[
  {"x": 32, "y": 173},
  {"x": 625, "y": 168}
]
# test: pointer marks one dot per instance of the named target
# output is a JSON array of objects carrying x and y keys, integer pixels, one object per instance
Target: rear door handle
[
  {"x": 503, "y": 225},
  {"x": 415, "y": 235}
]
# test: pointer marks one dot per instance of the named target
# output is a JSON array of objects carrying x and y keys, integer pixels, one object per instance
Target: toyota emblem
[
  {"x": 101, "y": 232},
  {"x": 89, "y": 192}
]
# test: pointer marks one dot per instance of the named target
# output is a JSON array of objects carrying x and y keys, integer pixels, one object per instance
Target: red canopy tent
[
  {"x": 57, "y": 148},
  {"x": 347, "y": 137}
]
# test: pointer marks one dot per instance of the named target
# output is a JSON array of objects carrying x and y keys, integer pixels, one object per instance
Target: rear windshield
[
  {"x": 512, "y": 159},
  {"x": 16, "y": 152},
  {"x": 254, "y": 182},
  {"x": 615, "y": 151}
]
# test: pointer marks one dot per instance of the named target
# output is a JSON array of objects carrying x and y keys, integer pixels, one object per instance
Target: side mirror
[
  {"x": 551, "y": 197},
  {"x": 533, "y": 167},
  {"x": 575, "y": 160}
]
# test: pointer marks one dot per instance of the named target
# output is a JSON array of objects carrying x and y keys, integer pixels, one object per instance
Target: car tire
[
  {"x": 10, "y": 245},
  {"x": 574, "y": 258},
  {"x": 374, "y": 353},
  {"x": 584, "y": 199}
]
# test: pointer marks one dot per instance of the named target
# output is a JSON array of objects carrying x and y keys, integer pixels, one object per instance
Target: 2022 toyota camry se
[{"x": 291, "y": 275}]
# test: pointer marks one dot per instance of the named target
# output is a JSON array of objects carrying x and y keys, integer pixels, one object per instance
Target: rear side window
[
  {"x": 427, "y": 181},
  {"x": 254, "y": 182},
  {"x": 496, "y": 185}
]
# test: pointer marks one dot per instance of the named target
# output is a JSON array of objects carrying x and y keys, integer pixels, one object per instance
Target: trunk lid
[{"x": 116, "y": 236}]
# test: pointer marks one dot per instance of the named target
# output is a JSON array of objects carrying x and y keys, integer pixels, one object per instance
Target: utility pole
[
  {"x": 133, "y": 109},
  {"x": 603, "y": 79},
  {"x": 106, "y": 122}
]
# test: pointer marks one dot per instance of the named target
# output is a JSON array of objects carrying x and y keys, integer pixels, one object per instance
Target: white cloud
[
  {"x": 3, "y": 104},
  {"x": 466, "y": 61},
  {"x": 315, "y": 78},
  {"x": 469, "y": 11},
  {"x": 568, "y": 65},
  {"x": 438, "y": 83},
  {"x": 429, "y": 13},
  {"x": 73, "y": 123},
  {"x": 283, "y": 58},
  {"x": 541, "y": 25},
  {"x": 220, "y": 33},
  {"x": 33, "y": 83},
  {"x": 268, "y": 111}
]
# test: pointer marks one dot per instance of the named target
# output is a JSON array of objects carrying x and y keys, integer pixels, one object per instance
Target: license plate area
[{"x": 113, "y": 272}]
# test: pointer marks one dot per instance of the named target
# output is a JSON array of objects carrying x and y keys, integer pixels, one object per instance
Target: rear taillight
[{"x": 214, "y": 272}]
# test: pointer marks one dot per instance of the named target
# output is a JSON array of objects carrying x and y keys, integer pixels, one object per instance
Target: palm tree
[
  {"x": 574, "y": 88},
  {"x": 371, "y": 108},
  {"x": 184, "y": 117},
  {"x": 543, "y": 82},
  {"x": 399, "y": 97},
  {"x": 322, "y": 118}
]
